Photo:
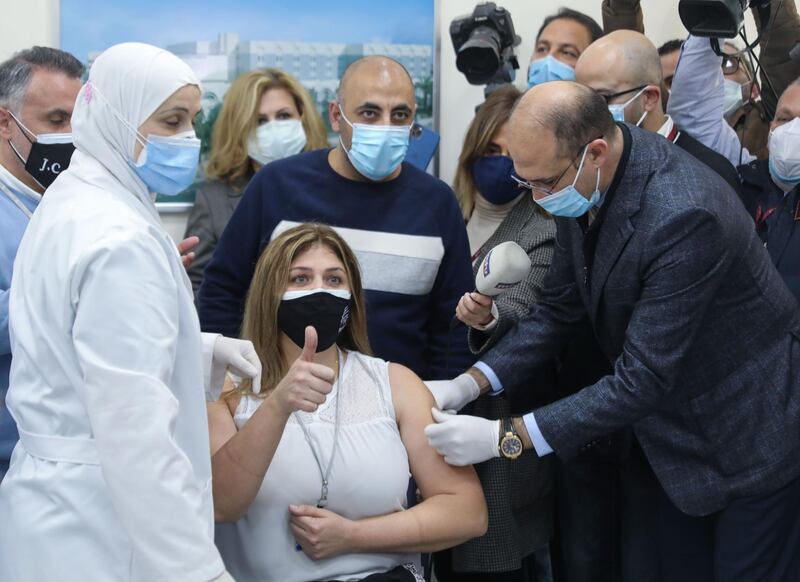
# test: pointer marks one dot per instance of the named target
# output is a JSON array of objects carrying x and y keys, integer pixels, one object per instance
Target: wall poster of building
[{"x": 314, "y": 40}]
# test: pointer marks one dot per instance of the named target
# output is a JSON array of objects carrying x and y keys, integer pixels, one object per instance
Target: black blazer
[{"x": 712, "y": 159}]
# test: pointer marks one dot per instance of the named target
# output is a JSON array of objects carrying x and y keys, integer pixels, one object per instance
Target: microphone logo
[{"x": 486, "y": 261}]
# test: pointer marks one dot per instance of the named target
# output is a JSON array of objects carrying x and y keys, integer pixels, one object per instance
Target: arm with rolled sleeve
[
  {"x": 690, "y": 259},
  {"x": 696, "y": 102},
  {"x": 221, "y": 297},
  {"x": 452, "y": 281},
  {"x": 125, "y": 335}
]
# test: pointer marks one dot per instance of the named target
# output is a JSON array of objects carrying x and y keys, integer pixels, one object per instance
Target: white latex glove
[
  {"x": 224, "y": 578},
  {"x": 237, "y": 355},
  {"x": 454, "y": 394},
  {"x": 463, "y": 440}
]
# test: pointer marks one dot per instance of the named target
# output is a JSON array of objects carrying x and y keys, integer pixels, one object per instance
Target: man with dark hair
[
  {"x": 561, "y": 39},
  {"x": 669, "y": 52},
  {"x": 654, "y": 249},
  {"x": 38, "y": 88}
]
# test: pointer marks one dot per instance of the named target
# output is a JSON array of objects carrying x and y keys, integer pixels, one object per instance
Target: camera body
[
  {"x": 716, "y": 18},
  {"x": 484, "y": 42}
]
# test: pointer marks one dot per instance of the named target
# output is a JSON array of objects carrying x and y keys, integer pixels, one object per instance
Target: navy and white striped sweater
[{"x": 409, "y": 237}]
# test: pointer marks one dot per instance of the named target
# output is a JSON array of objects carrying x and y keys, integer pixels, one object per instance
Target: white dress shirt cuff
[
  {"x": 539, "y": 443},
  {"x": 494, "y": 381}
]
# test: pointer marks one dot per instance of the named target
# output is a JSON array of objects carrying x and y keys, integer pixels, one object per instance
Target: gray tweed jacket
[
  {"x": 535, "y": 233},
  {"x": 214, "y": 204},
  {"x": 703, "y": 331},
  {"x": 519, "y": 494}
]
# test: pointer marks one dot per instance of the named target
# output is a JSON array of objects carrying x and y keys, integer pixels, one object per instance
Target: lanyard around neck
[{"x": 325, "y": 473}]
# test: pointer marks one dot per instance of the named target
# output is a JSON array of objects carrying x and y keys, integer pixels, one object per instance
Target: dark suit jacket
[
  {"x": 213, "y": 207},
  {"x": 703, "y": 333},
  {"x": 712, "y": 159}
]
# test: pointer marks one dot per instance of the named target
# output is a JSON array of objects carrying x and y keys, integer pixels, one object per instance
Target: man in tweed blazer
[{"x": 703, "y": 332}]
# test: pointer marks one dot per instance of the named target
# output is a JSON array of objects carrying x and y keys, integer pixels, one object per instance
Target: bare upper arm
[
  {"x": 412, "y": 404},
  {"x": 221, "y": 427}
]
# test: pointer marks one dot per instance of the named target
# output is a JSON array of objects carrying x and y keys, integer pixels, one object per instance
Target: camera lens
[{"x": 479, "y": 57}]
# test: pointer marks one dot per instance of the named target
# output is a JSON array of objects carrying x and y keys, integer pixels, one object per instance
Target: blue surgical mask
[
  {"x": 569, "y": 202},
  {"x": 376, "y": 150},
  {"x": 618, "y": 109},
  {"x": 549, "y": 69},
  {"x": 492, "y": 176},
  {"x": 168, "y": 164}
]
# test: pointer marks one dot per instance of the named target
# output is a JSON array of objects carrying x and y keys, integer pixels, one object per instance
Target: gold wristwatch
[{"x": 510, "y": 444}]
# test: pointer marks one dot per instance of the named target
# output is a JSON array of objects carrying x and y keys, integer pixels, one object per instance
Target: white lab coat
[{"x": 111, "y": 478}]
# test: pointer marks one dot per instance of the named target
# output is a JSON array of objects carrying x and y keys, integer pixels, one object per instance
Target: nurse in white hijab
[{"x": 111, "y": 478}]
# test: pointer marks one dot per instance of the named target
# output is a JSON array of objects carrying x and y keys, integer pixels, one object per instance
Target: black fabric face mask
[
  {"x": 320, "y": 308},
  {"x": 50, "y": 155},
  {"x": 47, "y": 160}
]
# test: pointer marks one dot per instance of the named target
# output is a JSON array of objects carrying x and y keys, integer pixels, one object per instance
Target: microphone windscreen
[{"x": 503, "y": 267}]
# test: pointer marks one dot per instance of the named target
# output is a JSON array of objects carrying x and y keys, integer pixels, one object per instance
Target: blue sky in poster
[{"x": 92, "y": 25}]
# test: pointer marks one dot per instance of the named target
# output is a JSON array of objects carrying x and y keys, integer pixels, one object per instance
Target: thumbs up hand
[{"x": 306, "y": 384}]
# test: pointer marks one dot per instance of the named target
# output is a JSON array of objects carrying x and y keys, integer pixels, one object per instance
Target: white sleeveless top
[{"x": 369, "y": 477}]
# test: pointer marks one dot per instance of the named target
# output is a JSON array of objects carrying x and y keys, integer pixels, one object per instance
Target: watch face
[{"x": 511, "y": 446}]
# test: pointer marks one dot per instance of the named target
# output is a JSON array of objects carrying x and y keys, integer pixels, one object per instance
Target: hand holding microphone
[{"x": 503, "y": 267}]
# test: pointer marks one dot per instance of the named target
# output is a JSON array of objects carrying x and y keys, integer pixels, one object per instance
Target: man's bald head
[
  {"x": 623, "y": 58},
  {"x": 568, "y": 112},
  {"x": 373, "y": 69}
]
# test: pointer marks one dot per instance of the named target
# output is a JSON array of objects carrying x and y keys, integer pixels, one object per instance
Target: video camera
[
  {"x": 718, "y": 18},
  {"x": 484, "y": 42}
]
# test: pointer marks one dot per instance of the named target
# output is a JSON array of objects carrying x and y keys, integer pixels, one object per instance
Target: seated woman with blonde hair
[{"x": 314, "y": 470}]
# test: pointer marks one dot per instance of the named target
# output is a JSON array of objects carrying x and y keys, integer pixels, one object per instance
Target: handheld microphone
[{"x": 502, "y": 268}]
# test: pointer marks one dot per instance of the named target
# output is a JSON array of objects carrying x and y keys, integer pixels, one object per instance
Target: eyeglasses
[
  {"x": 731, "y": 64},
  {"x": 611, "y": 96},
  {"x": 549, "y": 188}
]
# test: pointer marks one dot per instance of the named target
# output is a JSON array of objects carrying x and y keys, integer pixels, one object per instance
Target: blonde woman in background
[
  {"x": 266, "y": 115},
  {"x": 313, "y": 471}
]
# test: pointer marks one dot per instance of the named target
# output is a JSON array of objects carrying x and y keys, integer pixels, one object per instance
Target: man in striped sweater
[{"x": 404, "y": 225}]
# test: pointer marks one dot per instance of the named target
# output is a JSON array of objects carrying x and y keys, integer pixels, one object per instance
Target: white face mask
[
  {"x": 784, "y": 155},
  {"x": 733, "y": 97},
  {"x": 276, "y": 140}
]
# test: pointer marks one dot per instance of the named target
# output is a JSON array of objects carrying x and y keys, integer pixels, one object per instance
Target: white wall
[{"x": 25, "y": 23}]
